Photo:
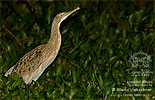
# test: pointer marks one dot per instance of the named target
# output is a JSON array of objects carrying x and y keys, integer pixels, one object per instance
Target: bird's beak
[
  {"x": 72, "y": 11},
  {"x": 66, "y": 14}
]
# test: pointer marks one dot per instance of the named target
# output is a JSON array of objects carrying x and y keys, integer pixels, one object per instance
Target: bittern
[{"x": 33, "y": 64}]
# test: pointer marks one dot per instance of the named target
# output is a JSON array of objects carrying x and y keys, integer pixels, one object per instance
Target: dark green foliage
[{"x": 97, "y": 42}]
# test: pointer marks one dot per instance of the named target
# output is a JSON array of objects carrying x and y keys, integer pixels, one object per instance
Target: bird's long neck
[{"x": 55, "y": 32}]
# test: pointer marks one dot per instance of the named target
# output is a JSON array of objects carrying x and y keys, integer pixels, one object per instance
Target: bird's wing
[{"x": 30, "y": 61}]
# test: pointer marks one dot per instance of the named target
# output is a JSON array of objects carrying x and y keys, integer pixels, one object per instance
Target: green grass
[{"x": 97, "y": 42}]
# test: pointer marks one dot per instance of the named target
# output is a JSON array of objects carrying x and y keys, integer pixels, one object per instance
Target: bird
[{"x": 32, "y": 65}]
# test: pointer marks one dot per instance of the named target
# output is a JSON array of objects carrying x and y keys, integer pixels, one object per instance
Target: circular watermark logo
[{"x": 140, "y": 59}]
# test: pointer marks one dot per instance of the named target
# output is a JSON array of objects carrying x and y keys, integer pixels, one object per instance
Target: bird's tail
[{"x": 9, "y": 71}]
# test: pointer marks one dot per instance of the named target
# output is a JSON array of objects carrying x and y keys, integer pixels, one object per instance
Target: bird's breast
[{"x": 52, "y": 51}]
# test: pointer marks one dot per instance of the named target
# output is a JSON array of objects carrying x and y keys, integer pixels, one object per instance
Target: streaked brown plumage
[{"x": 32, "y": 65}]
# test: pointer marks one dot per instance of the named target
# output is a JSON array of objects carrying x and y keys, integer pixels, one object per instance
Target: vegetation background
[{"x": 97, "y": 42}]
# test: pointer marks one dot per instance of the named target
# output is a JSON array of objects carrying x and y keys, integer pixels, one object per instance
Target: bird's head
[{"x": 62, "y": 16}]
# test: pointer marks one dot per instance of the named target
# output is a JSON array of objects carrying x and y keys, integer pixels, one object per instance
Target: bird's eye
[{"x": 61, "y": 14}]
